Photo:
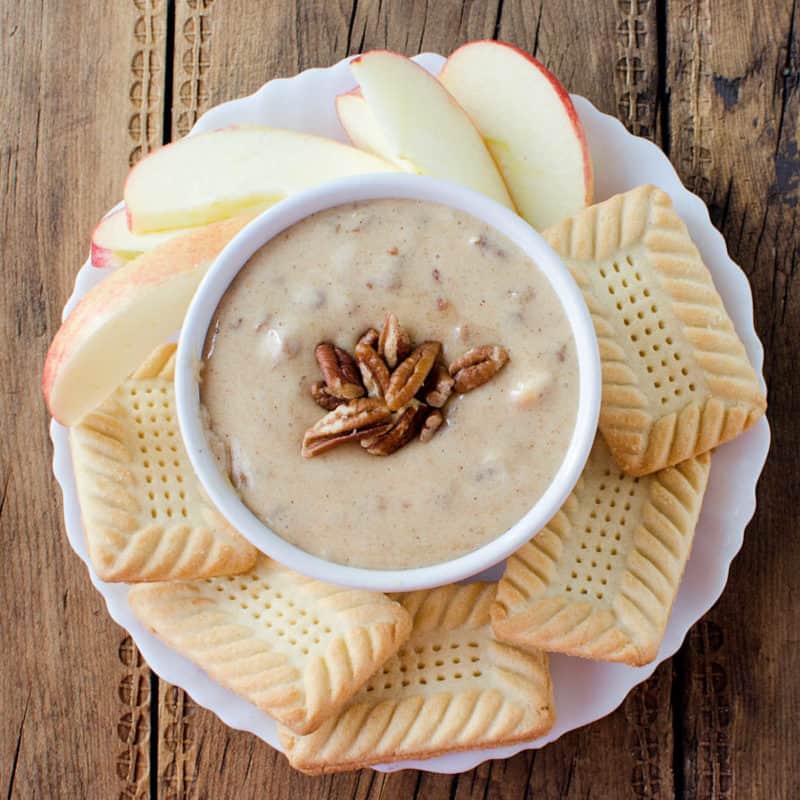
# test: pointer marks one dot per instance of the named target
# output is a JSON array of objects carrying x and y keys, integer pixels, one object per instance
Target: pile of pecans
[{"x": 391, "y": 391}]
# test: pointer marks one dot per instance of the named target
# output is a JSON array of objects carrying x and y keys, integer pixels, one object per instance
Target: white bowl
[{"x": 279, "y": 218}]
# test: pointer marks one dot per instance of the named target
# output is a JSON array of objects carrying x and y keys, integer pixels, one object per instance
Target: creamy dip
[{"x": 448, "y": 277}]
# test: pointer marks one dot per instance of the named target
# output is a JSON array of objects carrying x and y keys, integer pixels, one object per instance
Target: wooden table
[{"x": 87, "y": 88}]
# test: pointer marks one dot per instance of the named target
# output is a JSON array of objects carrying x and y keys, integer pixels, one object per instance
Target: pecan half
[
  {"x": 374, "y": 371},
  {"x": 477, "y": 366},
  {"x": 370, "y": 337},
  {"x": 394, "y": 343},
  {"x": 438, "y": 386},
  {"x": 348, "y": 422},
  {"x": 408, "y": 377},
  {"x": 323, "y": 398},
  {"x": 432, "y": 424},
  {"x": 339, "y": 370},
  {"x": 404, "y": 429}
]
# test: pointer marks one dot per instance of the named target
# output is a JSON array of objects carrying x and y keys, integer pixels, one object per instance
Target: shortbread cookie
[
  {"x": 145, "y": 516},
  {"x": 599, "y": 580},
  {"x": 452, "y": 686},
  {"x": 297, "y": 648},
  {"x": 676, "y": 378}
]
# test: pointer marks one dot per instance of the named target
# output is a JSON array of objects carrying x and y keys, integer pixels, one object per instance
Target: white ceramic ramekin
[{"x": 287, "y": 213}]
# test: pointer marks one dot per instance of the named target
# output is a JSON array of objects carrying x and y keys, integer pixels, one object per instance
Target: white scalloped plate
[{"x": 584, "y": 690}]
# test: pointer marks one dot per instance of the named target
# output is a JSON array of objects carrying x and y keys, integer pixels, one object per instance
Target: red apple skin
[
  {"x": 563, "y": 95},
  {"x": 180, "y": 255},
  {"x": 103, "y": 251},
  {"x": 102, "y": 257}
]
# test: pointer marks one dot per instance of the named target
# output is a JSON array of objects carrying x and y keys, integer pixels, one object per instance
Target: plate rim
[{"x": 191, "y": 678}]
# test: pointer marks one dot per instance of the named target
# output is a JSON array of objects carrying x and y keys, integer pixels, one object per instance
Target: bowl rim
[{"x": 292, "y": 210}]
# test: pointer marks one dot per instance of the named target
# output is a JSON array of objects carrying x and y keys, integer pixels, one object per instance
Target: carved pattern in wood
[
  {"x": 714, "y": 770},
  {"x": 144, "y": 124},
  {"x": 177, "y": 751},
  {"x": 642, "y": 708},
  {"x": 695, "y": 162},
  {"x": 192, "y": 93},
  {"x": 633, "y": 80},
  {"x": 133, "y": 726}
]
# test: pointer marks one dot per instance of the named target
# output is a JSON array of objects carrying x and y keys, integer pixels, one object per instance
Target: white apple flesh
[
  {"x": 360, "y": 125},
  {"x": 113, "y": 244},
  {"x": 422, "y": 129},
  {"x": 529, "y": 124},
  {"x": 121, "y": 320},
  {"x": 215, "y": 175}
]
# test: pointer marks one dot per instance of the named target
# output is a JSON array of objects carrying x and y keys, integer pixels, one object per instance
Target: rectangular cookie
[
  {"x": 297, "y": 648},
  {"x": 145, "y": 516},
  {"x": 676, "y": 377},
  {"x": 599, "y": 580},
  {"x": 451, "y": 687}
]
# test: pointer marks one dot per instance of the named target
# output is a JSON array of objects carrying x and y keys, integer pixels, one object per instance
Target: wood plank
[
  {"x": 219, "y": 57},
  {"x": 733, "y": 122},
  {"x": 609, "y": 54},
  {"x": 82, "y": 95},
  {"x": 732, "y": 126},
  {"x": 418, "y": 26}
]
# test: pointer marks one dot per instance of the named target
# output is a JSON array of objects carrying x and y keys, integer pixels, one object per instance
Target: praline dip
[{"x": 447, "y": 277}]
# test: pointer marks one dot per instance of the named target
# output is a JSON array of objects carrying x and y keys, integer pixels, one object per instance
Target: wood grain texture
[
  {"x": 715, "y": 82},
  {"x": 733, "y": 122},
  {"x": 191, "y": 62},
  {"x": 75, "y": 695}
]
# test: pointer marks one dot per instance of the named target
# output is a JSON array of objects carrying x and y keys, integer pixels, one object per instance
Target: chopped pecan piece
[
  {"x": 353, "y": 420},
  {"x": 438, "y": 386},
  {"x": 339, "y": 370},
  {"x": 432, "y": 424},
  {"x": 408, "y": 377},
  {"x": 323, "y": 398},
  {"x": 374, "y": 371},
  {"x": 394, "y": 343},
  {"x": 477, "y": 366},
  {"x": 404, "y": 429},
  {"x": 370, "y": 337}
]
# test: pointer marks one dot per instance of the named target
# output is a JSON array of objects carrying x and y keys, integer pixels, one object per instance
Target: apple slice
[
  {"x": 529, "y": 124},
  {"x": 215, "y": 175},
  {"x": 360, "y": 125},
  {"x": 416, "y": 124},
  {"x": 113, "y": 244},
  {"x": 121, "y": 320}
]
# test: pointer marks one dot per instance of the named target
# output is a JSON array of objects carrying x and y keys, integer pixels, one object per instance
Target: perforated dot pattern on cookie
[
  {"x": 451, "y": 686},
  {"x": 661, "y": 348},
  {"x": 449, "y": 649},
  {"x": 297, "y": 648},
  {"x": 161, "y": 455},
  {"x": 676, "y": 377},
  {"x": 598, "y": 581},
  {"x": 431, "y": 662},
  {"x": 268, "y": 601},
  {"x": 144, "y": 514},
  {"x": 608, "y": 512}
]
